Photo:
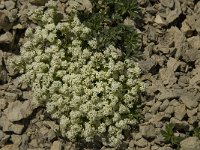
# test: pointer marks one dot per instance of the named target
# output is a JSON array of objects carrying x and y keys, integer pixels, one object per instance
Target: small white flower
[{"x": 93, "y": 43}]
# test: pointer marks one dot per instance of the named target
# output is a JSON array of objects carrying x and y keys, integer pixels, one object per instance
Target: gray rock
[
  {"x": 194, "y": 80},
  {"x": 190, "y": 143},
  {"x": 167, "y": 76},
  {"x": 141, "y": 143},
  {"x": 169, "y": 94},
  {"x": 159, "y": 20},
  {"x": 9, "y": 126},
  {"x": 10, "y": 96},
  {"x": 158, "y": 117},
  {"x": 27, "y": 95},
  {"x": 189, "y": 100},
  {"x": 131, "y": 144},
  {"x": 192, "y": 120},
  {"x": 3, "y": 103},
  {"x": 24, "y": 143},
  {"x": 34, "y": 143},
  {"x": 155, "y": 107},
  {"x": 169, "y": 110},
  {"x": 143, "y": 2},
  {"x": 1, "y": 135},
  {"x": 147, "y": 131},
  {"x": 6, "y": 38},
  {"x": 174, "y": 14},
  {"x": 51, "y": 135},
  {"x": 180, "y": 111},
  {"x": 16, "y": 139},
  {"x": 192, "y": 112},
  {"x": 5, "y": 23},
  {"x": 185, "y": 28},
  {"x": 38, "y": 2},
  {"x": 4, "y": 139},
  {"x": 9, "y": 4},
  {"x": 167, "y": 3},
  {"x": 179, "y": 124},
  {"x": 164, "y": 105},
  {"x": 147, "y": 65},
  {"x": 17, "y": 110},
  {"x": 57, "y": 145},
  {"x": 166, "y": 148},
  {"x": 194, "y": 42},
  {"x": 173, "y": 64},
  {"x": 191, "y": 55},
  {"x": 63, "y": 1}
]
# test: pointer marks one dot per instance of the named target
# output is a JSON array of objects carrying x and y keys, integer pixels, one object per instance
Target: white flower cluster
[{"x": 90, "y": 92}]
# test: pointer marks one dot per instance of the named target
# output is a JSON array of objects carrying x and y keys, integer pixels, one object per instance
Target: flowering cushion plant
[{"x": 90, "y": 92}]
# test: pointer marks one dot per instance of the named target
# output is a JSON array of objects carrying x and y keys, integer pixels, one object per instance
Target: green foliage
[
  {"x": 196, "y": 132},
  {"x": 107, "y": 23},
  {"x": 169, "y": 136}
]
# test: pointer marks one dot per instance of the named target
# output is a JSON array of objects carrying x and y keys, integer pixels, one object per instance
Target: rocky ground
[{"x": 171, "y": 70}]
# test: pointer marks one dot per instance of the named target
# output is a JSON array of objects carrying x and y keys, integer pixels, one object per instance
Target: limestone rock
[
  {"x": 57, "y": 145},
  {"x": 174, "y": 14},
  {"x": 167, "y": 76},
  {"x": 9, "y": 5},
  {"x": 6, "y": 38},
  {"x": 5, "y": 23},
  {"x": 147, "y": 131},
  {"x": 9, "y": 126},
  {"x": 38, "y": 2},
  {"x": 180, "y": 111},
  {"x": 194, "y": 42},
  {"x": 190, "y": 143},
  {"x": 167, "y": 3},
  {"x": 189, "y": 100},
  {"x": 17, "y": 110},
  {"x": 159, "y": 20}
]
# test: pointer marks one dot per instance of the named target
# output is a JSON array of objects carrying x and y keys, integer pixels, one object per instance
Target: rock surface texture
[{"x": 171, "y": 70}]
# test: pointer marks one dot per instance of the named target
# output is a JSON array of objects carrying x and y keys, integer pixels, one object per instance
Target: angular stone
[
  {"x": 5, "y": 23},
  {"x": 141, "y": 143},
  {"x": 190, "y": 143},
  {"x": 34, "y": 143},
  {"x": 147, "y": 131},
  {"x": 155, "y": 107},
  {"x": 180, "y": 111},
  {"x": 164, "y": 105},
  {"x": 6, "y": 38},
  {"x": 194, "y": 80},
  {"x": 10, "y": 96},
  {"x": 16, "y": 139},
  {"x": 194, "y": 42},
  {"x": 185, "y": 28},
  {"x": 9, "y": 4},
  {"x": 167, "y": 76},
  {"x": 159, "y": 20},
  {"x": 147, "y": 65},
  {"x": 57, "y": 145},
  {"x": 38, "y": 2},
  {"x": 3, "y": 103},
  {"x": 192, "y": 112},
  {"x": 17, "y": 110},
  {"x": 174, "y": 14},
  {"x": 167, "y": 3},
  {"x": 179, "y": 124},
  {"x": 173, "y": 64},
  {"x": 9, "y": 126},
  {"x": 189, "y": 100},
  {"x": 166, "y": 148},
  {"x": 169, "y": 94}
]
